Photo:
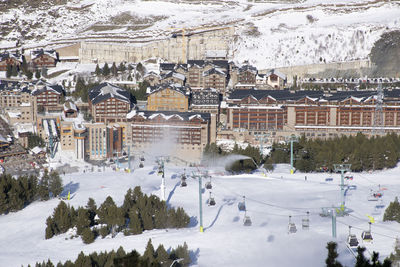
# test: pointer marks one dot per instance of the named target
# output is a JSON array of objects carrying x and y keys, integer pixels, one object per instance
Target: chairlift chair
[
  {"x": 246, "y": 220},
  {"x": 211, "y": 201},
  {"x": 141, "y": 165},
  {"x": 242, "y": 205},
  {"x": 183, "y": 182},
  {"x": 352, "y": 240},
  {"x": 209, "y": 185},
  {"x": 160, "y": 170},
  {"x": 141, "y": 158},
  {"x": 367, "y": 235},
  {"x": 305, "y": 222},
  {"x": 291, "y": 226}
]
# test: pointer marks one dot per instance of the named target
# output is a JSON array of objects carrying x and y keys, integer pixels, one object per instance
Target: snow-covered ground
[
  {"x": 269, "y": 33},
  {"x": 270, "y": 199}
]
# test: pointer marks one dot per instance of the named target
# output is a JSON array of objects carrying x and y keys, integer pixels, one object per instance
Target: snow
[
  {"x": 336, "y": 31},
  {"x": 270, "y": 199}
]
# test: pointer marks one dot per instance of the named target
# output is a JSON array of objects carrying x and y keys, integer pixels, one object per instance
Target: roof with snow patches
[
  {"x": 168, "y": 115},
  {"x": 105, "y": 91}
]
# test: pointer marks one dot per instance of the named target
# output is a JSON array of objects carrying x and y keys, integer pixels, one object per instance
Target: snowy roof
[
  {"x": 173, "y": 74},
  {"x": 152, "y": 73},
  {"x": 214, "y": 71},
  {"x": 37, "y": 150},
  {"x": 105, "y": 91},
  {"x": 172, "y": 86},
  {"x": 39, "y": 52},
  {"x": 248, "y": 68},
  {"x": 277, "y": 73},
  {"x": 70, "y": 106},
  {"x": 58, "y": 89},
  {"x": 7, "y": 55},
  {"x": 2, "y": 139},
  {"x": 167, "y": 115}
]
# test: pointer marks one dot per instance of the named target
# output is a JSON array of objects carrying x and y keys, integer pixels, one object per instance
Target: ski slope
[{"x": 270, "y": 200}]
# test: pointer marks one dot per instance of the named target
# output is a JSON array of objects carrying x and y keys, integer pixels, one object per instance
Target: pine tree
[
  {"x": 361, "y": 261},
  {"x": 106, "y": 70},
  {"x": 135, "y": 224},
  {"x": 63, "y": 218},
  {"x": 43, "y": 189},
  {"x": 14, "y": 70},
  {"x": 37, "y": 74},
  {"x": 162, "y": 256},
  {"x": 114, "y": 69},
  {"x": 92, "y": 208},
  {"x": 87, "y": 236},
  {"x": 122, "y": 67},
  {"x": 98, "y": 70},
  {"x": 55, "y": 184},
  {"x": 82, "y": 220},
  {"x": 392, "y": 212},
  {"x": 331, "y": 261},
  {"x": 49, "y": 228},
  {"x": 8, "y": 71},
  {"x": 149, "y": 253}
]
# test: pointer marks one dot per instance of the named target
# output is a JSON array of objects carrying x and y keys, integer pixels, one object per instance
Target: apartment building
[
  {"x": 183, "y": 134},
  {"x": 109, "y": 103},
  {"x": 168, "y": 97}
]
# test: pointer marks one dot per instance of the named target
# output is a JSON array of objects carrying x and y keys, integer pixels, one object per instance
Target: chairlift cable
[{"x": 373, "y": 232}]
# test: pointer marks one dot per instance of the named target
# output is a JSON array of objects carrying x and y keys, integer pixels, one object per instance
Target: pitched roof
[
  {"x": 105, "y": 91},
  {"x": 39, "y": 52},
  {"x": 6, "y": 55},
  {"x": 277, "y": 73},
  {"x": 214, "y": 71},
  {"x": 167, "y": 115},
  {"x": 173, "y": 74},
  {"x": 248, "y": 68},
  {"x": 173, "y": 86},
  {"x": 58, "y": 89}
]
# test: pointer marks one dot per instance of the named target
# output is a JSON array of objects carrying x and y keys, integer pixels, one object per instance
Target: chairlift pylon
[
  {"x": 291, "y": 226},
  {"x": 242, "y": 205}
]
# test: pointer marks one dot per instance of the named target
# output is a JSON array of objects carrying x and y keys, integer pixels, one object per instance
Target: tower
[{"x": 378, "y": 127}]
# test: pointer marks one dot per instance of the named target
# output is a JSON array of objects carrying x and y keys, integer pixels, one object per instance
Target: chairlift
[
  {"x": 141, "y": 165},
  {"x": 183, "y": 183},
  {"x": 211, "y": 201},
  {"x": 208, "y": 184},
  {"x": 142, "y": 158},
  {"x": 242, "y": 205},
  {"x": 374, "y": 196},
  {"x": 160, "y": 170},
  {"x": 367, "y": 235},
  {"x": 291, "y": 226},
  {"x": 352, "y": 240},
  {"x": 305, "y": 222},
  {"x": 183, "y": 176},
  {"x": 348, "y": 177},
  {"x": 246, "y": 220}
]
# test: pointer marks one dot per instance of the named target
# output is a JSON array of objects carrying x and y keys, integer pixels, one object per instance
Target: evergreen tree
[
  {"x": 395, "y": 257},
  {"x": 8, "y": 71},
  {"x": 37, "y": 74},
  {"x": 181, "y": 252},
  {"x": 82, "y": 220},
  {"x": 49, "y": 228},
  {"x": 114, "y": 69},
  {"x": 149, "y": 253},
  {"x": 98, "y": 70},
  {"x": 14, "y": 70},
  {"x": 110, "y": 214},
  {"x": 106, "y": 70},
  {"x": 63, "y": 218},
  {"x": 121, "y": 67},
  {"x": 87, "y": 236},
  {"x": 29, "y": 74},
  {"x": 162, "y": 255},
  {"x": 135, "y": 224},
  {"x": 331, "y": 261},
  {"x": 392, "y": 212},
  {"x": 361, "y": 261},
  {"x": 43, "y": 189},
  {"x": 92, "y": 208},
  {"x": 55, "y": 184}
]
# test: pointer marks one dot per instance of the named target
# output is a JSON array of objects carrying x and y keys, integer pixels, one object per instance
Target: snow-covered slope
[
  {"x": 270, "y": 33},
  {"x": 225, "y": 241}
]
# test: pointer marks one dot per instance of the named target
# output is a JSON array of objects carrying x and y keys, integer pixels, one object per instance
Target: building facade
[{"x": 168, "y": 97}]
